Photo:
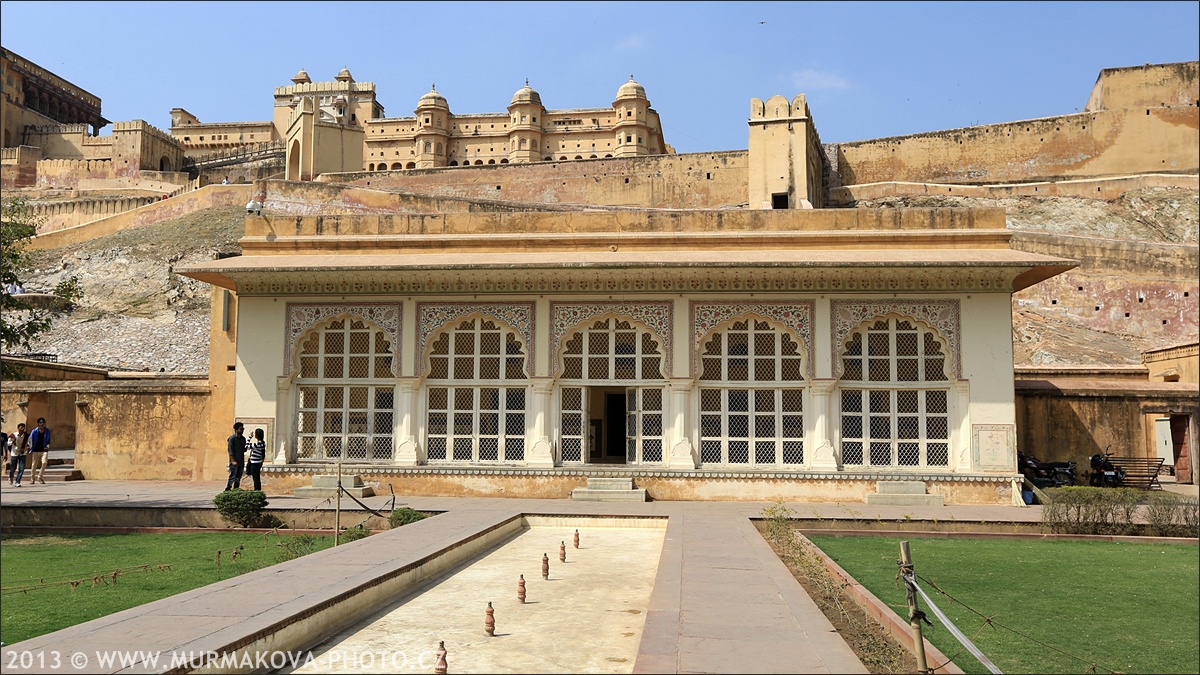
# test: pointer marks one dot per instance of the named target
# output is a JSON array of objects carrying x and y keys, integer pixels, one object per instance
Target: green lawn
[
  {"x": 1133, "y": 608},
  {"x": 36, "y": 571}
]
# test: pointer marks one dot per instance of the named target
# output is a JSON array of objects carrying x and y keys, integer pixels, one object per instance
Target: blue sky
[{"x": 869, "y": 69}]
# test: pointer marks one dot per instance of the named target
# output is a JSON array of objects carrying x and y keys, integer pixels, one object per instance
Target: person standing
[
  {"x": 236, "y": 446},
  {"x": 19, "y": 445},
  {"x": 258, "y": 454},
  {"x": 39, "y": 451}
]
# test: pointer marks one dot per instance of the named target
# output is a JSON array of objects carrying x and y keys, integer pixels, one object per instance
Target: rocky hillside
[
  {"x": 1049, "y": 336},
  {"x": 136, "y": 314},
  {"x": 1149, "y": 214}
]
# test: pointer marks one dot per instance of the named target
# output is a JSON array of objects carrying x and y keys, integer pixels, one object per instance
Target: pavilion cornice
[{"x": 263, "y": 281}]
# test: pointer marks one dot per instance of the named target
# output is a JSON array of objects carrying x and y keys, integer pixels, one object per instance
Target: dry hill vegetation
[{"x": 136, "y": 314}]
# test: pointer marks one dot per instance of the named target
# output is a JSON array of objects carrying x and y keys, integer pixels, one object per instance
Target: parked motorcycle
[
  {"x": 1046, "y": 474},
  {"x": 1104, "y": 473}
]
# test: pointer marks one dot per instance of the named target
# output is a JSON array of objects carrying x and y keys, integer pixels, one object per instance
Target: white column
[
  {"x": 821, "y": 438},
  {"x": 960, "y": 406},
  {"x": 404, "y": 423},
  {"x": 284, "y": 419},
  {"x": 683, "y": 453},
  {"x": 541, "y": 450}
]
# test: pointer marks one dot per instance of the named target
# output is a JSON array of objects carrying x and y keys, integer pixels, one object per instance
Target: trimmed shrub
[
  {"x": 404, "y": 516},
  {"x": 1171, "y": 515},
  {"x": 241, "y": 507},
  {"x": 354, "y": 534},
  {"x": 1091, "y": 510}
]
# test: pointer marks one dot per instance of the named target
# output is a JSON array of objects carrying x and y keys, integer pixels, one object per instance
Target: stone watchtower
[
  {"x": 785, "y": 155},
  {"x": 432, "y": 141},
  {"x": 632, "y": 131},
  {"x": 525, "y": 132}
]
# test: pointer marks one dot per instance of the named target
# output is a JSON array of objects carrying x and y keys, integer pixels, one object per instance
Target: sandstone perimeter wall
[
  {"x": 689, "y": 181},
  {"x": 185, "y": 203},
  {"x": 1141, "y": 119},
  {"x": 1082, "y": 145}
]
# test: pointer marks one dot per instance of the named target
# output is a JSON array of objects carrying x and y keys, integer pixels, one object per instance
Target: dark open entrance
[
  {"x": 1179, "y": 448},
  {"x": 608, "y": 425},
  {"x": 779, "y": 200}
]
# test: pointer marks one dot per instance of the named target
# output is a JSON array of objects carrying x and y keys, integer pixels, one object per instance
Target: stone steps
[
  {"x": 56, "y": 472},
  {"x": 326, "y": 486},
  {"x": 609, "y": 490},
  {"x": 902, "y": 493}
]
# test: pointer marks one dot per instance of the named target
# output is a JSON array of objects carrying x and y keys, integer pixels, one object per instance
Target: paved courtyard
[{"x": 721, "y": 600}]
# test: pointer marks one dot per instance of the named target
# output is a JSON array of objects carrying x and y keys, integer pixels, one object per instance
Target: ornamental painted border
[
  {"x": 685, "y": 280},
  {"x": 657, "y": 316},
  {"x": 302, "y": 316},
  {"x": 795, "y": 316},
  {"x": 942, "y": 315},
  {"x": 433, "y": 316}
]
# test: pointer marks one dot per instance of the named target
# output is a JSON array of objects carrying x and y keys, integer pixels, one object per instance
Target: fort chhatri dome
[
  {"x": 631, "y": 89},
  {"x": 526, "y": 94},
  {"x": 433, "y": 98}
]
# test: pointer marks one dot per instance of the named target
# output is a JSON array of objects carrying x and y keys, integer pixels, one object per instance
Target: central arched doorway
[{"x": 612, "y": 394}]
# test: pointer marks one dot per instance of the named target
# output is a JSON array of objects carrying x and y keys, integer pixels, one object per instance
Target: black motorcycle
[
  {"x": 1104, "y": 473},
  {"x": 1046, "y": 474}
]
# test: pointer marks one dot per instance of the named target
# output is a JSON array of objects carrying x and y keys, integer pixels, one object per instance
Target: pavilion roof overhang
[{"x": 831, "y": 270}]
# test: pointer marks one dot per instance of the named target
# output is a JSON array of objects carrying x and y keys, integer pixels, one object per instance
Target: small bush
[
  {"x": 1171, "y": 515},
  {"x": 1091, "y": 510},
  {"x": 241, "y": 507},
  {"x": 404, "y": 516},
  {"x": 354, "y": 534},
  {"x": 295, "y": 546}
]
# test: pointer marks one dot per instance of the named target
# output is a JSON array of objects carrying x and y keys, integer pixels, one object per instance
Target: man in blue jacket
[{"x": 39, "y": 451}]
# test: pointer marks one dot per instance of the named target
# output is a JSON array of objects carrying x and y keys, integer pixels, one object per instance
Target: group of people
[
  {"x": 32, "y": 448},
  {"x": 27, "y": 447},
  {"x": 237, "y": 445}
]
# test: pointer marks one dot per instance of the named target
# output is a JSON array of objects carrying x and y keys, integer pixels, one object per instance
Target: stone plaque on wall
[{"x": 993, "y": 447}]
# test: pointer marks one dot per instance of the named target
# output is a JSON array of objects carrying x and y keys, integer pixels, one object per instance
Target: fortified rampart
[
  {"x": 1149, "y": 122},
  {"x": 1088, "y": 188},
  {"x": 68, "y": 213},
  {"x": 68, "y": 173},
  {"x": 18, "y": 166},
  {"x": 688, "y": 181},
  {"x": 188, "y": 201}
]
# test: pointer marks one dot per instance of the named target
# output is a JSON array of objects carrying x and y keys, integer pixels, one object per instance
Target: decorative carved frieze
[
  {"x": 302, "y": 316},
  {"x": 796, "y": 317},
  {"x": 941, "y": 315},
  {"x": 434, "y": 316},
  {"x": 628, "y": 280}
]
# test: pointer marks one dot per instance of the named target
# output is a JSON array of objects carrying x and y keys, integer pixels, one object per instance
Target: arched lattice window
[
  {"x": 475, "y": 403},
  {"x": 346, "y": 392},
  {"x": 752, "y": 397},
  {"x": 895, "y": 396},
  {"x": 613, "y": 352}
]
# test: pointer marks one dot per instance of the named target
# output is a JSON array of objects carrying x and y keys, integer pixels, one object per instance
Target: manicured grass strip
[
  {"x": 1128, "y": 607},
  {"x": 32, "y": 568}
]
